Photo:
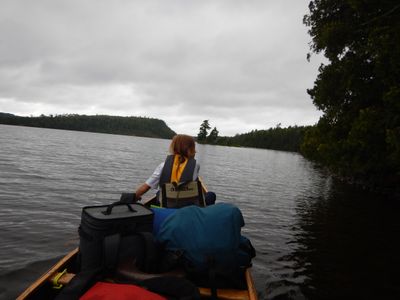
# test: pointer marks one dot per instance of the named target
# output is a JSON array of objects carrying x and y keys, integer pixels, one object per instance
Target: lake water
[{"x": 315, "y": 238}]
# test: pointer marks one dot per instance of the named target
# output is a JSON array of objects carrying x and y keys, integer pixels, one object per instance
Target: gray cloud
[{"x": 240, "y": 64}]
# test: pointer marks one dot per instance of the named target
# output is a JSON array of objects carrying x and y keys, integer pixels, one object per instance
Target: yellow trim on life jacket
[{"x": 177, "y": 168}]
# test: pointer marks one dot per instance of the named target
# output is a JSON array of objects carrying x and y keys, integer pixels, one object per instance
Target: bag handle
[
  {"x": 128, "y": 198},
  {"x": 109, "y": 209}
]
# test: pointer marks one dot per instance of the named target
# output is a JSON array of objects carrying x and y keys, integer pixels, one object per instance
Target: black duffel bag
[{"x": 110, "y": 233}]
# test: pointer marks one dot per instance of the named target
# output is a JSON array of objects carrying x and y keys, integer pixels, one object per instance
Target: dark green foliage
[
  {"x": 358, "y": 91},
  {"x": 202, "y": 135},
  {"x": 213, "y": 136},
  {"x": 138, "y": 126},
  {"x": 285, "y": 139}
]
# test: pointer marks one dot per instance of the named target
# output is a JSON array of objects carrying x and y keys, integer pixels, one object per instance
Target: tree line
[
  {"x": 138, "y": 126},
  {"x": 285, "y": 139}
]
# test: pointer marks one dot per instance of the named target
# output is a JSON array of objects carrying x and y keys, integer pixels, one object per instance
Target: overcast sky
[{"x": 240, "y": 64}]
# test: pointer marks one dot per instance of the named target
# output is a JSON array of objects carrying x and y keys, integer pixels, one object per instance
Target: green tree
[
  {"x": 358, "y": 90},
  {"x": 204, "y": 127},
  {"x": 212, "y": 137}
]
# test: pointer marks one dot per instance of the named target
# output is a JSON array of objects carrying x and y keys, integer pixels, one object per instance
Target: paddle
[
  {"x": 205, "y": 190},
  {"x": 147, "y": 202}
]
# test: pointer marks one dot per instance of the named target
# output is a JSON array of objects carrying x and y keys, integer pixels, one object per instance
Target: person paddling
[{"x": 180, "y": 166}]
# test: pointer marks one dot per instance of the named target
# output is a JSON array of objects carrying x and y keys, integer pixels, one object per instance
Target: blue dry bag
[{"x": 207, "y": 235}]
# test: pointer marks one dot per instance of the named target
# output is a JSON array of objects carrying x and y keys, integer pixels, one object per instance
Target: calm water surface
[{"x": 315, "y": 238}]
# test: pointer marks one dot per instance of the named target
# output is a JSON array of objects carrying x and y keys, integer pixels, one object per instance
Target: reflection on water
[
  {"x": 346, "y": 245},
  {"x": 315, "y": 238}
]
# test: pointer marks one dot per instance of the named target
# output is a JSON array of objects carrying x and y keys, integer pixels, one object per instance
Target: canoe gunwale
[{"x": 49, "y": 274}]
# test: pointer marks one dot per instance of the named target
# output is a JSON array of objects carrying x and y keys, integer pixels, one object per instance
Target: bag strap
[
  {"x": 212, "y": 277},
  {"x": 110, "y": 251},
  {"x": 111, "y": 245},
  {"x": 151, "y": 253},
  {"x": 80, "y": 284}
]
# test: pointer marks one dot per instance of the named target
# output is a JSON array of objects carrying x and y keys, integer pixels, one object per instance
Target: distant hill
[
  {"x": 138, "y": 126},
  {"x": 6, "y": 115}
]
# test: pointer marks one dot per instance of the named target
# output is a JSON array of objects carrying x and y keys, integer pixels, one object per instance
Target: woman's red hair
[{"x": 183, "y": 145}]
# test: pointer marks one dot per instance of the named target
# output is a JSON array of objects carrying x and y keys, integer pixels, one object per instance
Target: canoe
[{"x": 51, "y": 282}]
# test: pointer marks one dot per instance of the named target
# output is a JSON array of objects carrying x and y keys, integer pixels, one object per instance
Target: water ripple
[{"x": 315, "y": 239}]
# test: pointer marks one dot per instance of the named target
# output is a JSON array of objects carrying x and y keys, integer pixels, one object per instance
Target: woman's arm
[
  {"x": 142, "y": 190},
  {"x": 150, "y": 183}
]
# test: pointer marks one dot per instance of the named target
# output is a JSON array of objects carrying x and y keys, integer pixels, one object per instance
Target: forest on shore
[
  {"x": 277, "y": 138},
  {"x": 357, "y": 90},
  {"x": 137, "y": 126}
]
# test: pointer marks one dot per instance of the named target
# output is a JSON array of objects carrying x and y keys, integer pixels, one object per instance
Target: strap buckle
[{"x": 56, "y": 278}]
